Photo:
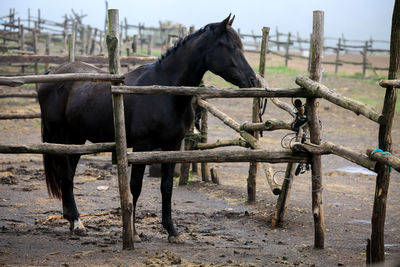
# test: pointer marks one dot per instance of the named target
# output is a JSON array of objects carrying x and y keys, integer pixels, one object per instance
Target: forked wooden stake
[{"x": 120, "y": 134}]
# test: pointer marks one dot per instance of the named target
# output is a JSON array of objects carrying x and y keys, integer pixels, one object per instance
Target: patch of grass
[
  {"x": 144, "y": 53},
  {"x": 212, "y": 79},
  {"x": 28, "y": 85},
  {"x": 282, "y": 70}
]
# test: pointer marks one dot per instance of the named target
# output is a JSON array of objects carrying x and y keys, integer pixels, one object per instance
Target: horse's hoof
[
  {"x": 79, "y": 232},
  {"x": 177, "y": 239},
  {"x": 136, "y": 239},
  {"x": 77, "y": 228}
]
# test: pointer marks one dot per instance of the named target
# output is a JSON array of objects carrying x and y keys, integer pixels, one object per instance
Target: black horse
[{"x": 74, "y": 112}]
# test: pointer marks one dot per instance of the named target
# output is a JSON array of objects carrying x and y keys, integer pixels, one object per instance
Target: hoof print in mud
[{"x": 179, "y": 239}]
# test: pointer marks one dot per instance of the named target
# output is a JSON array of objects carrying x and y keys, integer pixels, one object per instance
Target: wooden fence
[
  {"x": 138, "y": 38},
  {"x": 301, "y": 152}
]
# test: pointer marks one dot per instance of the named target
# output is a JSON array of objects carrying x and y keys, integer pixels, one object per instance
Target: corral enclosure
[{"x": 211, "y": 216}]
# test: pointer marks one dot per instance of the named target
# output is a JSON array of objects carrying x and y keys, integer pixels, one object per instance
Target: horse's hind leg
[
  {"x": 70, "y": 211},
  {"x": 136, "y": 188},
  {"x": 167, "y": 171},
  {"x": 60, "y": 172}
]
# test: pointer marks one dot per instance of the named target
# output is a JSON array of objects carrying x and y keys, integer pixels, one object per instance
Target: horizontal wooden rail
[
  {"x": 269, "y": 125},
  {"x": 131, "y": 60},
  {"x": 210, "y": 92},
  {"x": 386, "y": 159},
  {"x": 322, "y": 91},
  {"x": 19, "y": 116},
  {"x": 18, "y": 81},
  {"x": 20, "y": 95},
  {"x": 216, "y": 156},
  {"x": 388, "y": 83},
  {"x": 49, "y": 148},
  {"x": 221, "y": 143},
  {"x": 342, "y": 151}
]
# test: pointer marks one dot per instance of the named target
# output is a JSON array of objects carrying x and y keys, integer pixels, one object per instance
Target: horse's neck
[{"x": 185, "y": 66}]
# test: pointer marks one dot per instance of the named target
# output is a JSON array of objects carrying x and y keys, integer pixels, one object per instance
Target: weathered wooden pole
[
  {"x": 47, "y": 51},
  {"x": 88, "y": 40},
  {"x": 287, "y": 50},
  {"x": 101, "y": 42},
  {"x": 93, "y": 42},
  {"x": 283, "y": 199},
  {"x": 377, "y": 252},
  {"x": 71, "y": 47},
  {"x": 150, "y": 45},
  {"x": 254, "y": 166},
  {"x": 364, "y": 56},
  {"x": 299, "y": 41},
  {"x": 38, "y": 22},
  {"x": 134, "y": 44},
  {"x": 309, "y": 55},
  {"x": 35, "y": 51},
  {"x": 120, "y": 134},
  {"x": 185, "y": 167},
  {"x": 338, "y": 55},
  {"x": 277, "y": 39},
  {"x": 205, "y": 171},
  {"x": 83, "y": 40},
  {"x": 21, "y": 43},
  {"x": 314, "y": 126}
]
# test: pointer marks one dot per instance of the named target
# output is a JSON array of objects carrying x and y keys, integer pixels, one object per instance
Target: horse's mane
[
  {"x": 232, "y": 35},
  {"x": 181, "y": 42}
]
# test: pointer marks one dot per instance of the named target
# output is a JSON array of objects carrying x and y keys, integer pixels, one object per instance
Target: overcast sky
[{"x": 357, "y": 19}]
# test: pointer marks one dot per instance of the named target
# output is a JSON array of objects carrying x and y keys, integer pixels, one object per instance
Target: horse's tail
[{"x": 53, "y": 181}]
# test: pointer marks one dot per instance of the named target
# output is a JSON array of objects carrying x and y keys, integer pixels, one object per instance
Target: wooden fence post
[
  {"x": 314, "y": 126},
  {"x": 134, "y": 44},
  {"x": 364, "y": 56},
  {"x": 93, "y": 42},
  {"x": 71, "y": 47},
  {"x": 205, "y": 171},
  {"x": 150, "y": 45},
  {"x": 101, "y": 43},
  {"x": 339, "y": 47},
  {"x": 287, "y": 50},
  {"x": 254, "y": 166},
  {"x": 35, "y": 51},
  {"x": 277, "y": 39},
  {"x": 47, "y": 51},
  {"x": 185, "y": 167},
  {"x": 38, "y": 22},
  {"x": 21, "y": 43},
  {"x": 385, "y": 143},
  {"x": 88, "y": 40},
  {"x": 120, "y": 134},
  {"x": 299, "y": 42},
  {"x": 83, "y": 40},
  {"x": 309, "y": 55}
]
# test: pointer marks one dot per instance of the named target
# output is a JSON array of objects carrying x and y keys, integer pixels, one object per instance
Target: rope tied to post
[{"x": 384, "y": 153}]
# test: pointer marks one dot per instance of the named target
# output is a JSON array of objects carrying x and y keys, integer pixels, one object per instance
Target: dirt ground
[{"x": 219, "y": 227}]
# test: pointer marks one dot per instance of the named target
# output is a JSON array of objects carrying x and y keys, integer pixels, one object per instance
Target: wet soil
[{"x": 219, "y": 226}]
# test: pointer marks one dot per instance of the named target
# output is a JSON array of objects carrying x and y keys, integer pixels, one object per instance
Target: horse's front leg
[
  {"x": 136, "y": 188},
  {"x": 167, "y": 171}
]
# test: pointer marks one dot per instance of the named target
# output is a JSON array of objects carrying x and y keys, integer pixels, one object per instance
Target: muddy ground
[{"x": 220, "y": 228}]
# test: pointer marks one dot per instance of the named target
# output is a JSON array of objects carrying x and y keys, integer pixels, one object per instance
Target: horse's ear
[
  {"x": 231, "y": 21},
  {"x": 225, "y": 22}
]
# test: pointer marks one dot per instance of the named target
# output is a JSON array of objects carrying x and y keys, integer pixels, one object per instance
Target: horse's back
[{"x": 61, "y": 102}]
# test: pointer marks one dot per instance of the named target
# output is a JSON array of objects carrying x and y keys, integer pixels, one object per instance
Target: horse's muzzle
[{"x": 253, "y": 81}]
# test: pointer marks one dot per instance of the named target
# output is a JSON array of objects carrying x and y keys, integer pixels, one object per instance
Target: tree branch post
[
  {"x": 120, "y": 134},
  {"x": 377, "y": 249},
  {"x": 314, "y": 126},
  {"x": 254, "y": 166}
]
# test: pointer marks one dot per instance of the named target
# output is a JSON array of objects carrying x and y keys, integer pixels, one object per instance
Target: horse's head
[{"x": 224, "y": 55}]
